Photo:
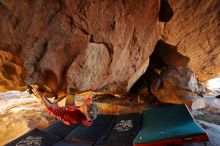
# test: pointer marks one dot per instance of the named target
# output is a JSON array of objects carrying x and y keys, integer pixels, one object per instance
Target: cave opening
[
  {"x": 163, "y": 56},
  {"x": 213, "y": 85}
]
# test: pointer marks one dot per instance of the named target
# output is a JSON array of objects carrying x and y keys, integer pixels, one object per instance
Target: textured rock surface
[
  {"x": 11, "y": 71},
  {"x": 178, "y": 85},
  {"x": 194, "y": 30},
  {"x": 81, "y": 45},
  {"x": 67, "y": 46}
]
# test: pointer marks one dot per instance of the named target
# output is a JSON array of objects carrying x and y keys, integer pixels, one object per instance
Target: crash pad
[
  {"x": 169, "y": 125},
  {"x": 124, "y": 130},
  {"x": 35, "y": 137},
  {"x": 91, "y": 134},
  {"x": 59, "y": 129},
  {"x": 64, "y": 143}
]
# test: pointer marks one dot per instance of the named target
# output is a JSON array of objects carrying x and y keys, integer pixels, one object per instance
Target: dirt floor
[
  {"x": 209, "y": 119},
  {"x": 19, "y": 113}
]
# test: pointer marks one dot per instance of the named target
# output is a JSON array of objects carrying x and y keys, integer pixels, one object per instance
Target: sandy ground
[
  {"x": 20, "y": 113},
  {"x": 209, "y": 119},
  {"x": 213, "y": 131}
]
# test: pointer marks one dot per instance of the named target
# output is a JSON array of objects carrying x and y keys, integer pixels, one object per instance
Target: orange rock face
[
  {"x": 74, "y": 46},
  {"x": 11, "y": 71},
  {"x": 194, "y": 30},
  {"x": 67, "y": 46}
]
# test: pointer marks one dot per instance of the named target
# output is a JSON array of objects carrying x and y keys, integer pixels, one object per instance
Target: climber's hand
[{"x": 30, "y": 90}]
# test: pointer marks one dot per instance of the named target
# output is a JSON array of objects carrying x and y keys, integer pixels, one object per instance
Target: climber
[{"x": 69, "y": 115}]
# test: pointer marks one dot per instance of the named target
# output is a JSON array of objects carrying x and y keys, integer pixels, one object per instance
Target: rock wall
[
  {"x": 11, "y": 71},
  {"x": 194, "y": 30},
  {"x": 72, "y": 46}
]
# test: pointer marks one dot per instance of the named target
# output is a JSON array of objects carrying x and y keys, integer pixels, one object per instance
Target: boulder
[
  {"x": 75, "y": 46},
  {"x": 178, "y": 86}
]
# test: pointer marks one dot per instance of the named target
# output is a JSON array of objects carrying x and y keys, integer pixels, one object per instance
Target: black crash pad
[
  {"x": 92, "y": 134},
  {"x": 35, "y": 137},
  {"x": 64, "y": 143},
  {"x": 59, "y": 129},
  {"x": 124, "y": 130}
]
